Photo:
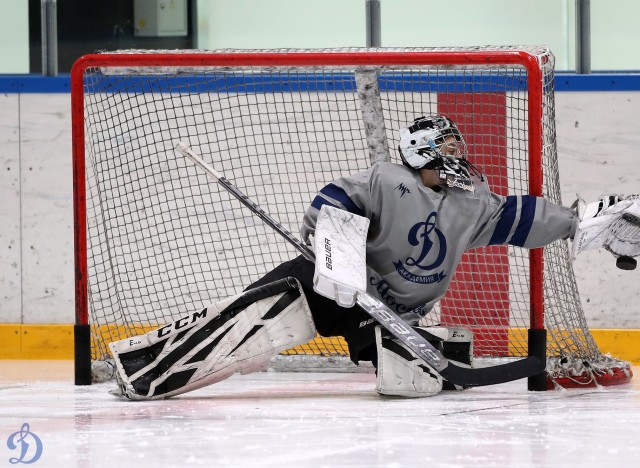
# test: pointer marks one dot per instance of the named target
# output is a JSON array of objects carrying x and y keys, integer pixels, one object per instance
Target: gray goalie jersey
[{"x": 417, "y": 236}]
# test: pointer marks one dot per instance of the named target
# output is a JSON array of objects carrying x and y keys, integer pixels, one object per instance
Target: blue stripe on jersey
[
  {"x": 319, "y": 201},
  {"x": 527, "y": 213},
  {"x": 503, "y": 228},
  {"x": 341, "y": 196}
]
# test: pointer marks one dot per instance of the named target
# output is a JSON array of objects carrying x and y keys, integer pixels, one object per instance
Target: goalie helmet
[{"x": 425, "y": 144}]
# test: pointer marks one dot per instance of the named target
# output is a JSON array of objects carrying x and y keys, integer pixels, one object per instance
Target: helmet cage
[{"x": 421, "y": 146}]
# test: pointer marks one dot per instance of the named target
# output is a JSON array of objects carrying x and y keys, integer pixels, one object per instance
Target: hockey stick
[{"x": 463, "y": 376}]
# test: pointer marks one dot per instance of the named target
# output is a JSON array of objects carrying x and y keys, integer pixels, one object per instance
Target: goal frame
[{"x": 535, "y": 88}]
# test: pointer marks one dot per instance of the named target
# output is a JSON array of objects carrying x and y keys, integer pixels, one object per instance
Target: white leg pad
[
  {"x": 455, "y": 343},
  {"x": 179, "y": 358},
  {"x": 400, "y": 372}
]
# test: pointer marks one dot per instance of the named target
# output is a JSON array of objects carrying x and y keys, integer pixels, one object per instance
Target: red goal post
[{"x": 153, "y": 239}]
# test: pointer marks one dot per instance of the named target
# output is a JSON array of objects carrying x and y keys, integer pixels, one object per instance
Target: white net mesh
[{"x": 162, "y": 240}]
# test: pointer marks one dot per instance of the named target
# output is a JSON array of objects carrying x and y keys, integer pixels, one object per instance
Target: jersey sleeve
[
  {"x": 524, "y": 221},
  {"x": 351, "y": 194}
]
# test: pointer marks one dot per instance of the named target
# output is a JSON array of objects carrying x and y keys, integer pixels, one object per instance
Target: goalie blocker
[{"x": 243, "y": 332}]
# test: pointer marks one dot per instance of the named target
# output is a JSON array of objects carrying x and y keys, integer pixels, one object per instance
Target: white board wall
[{"x": 598, "y": 145}]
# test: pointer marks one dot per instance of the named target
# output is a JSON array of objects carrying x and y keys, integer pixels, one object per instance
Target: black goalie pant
[{"x": 353, "y": 324}]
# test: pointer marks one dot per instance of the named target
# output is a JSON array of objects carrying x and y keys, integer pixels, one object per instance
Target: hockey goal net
[{"x": 155, "y": 239}]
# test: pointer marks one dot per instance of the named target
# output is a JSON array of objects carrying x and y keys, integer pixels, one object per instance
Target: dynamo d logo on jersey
[{"x": 433, "y": 242}]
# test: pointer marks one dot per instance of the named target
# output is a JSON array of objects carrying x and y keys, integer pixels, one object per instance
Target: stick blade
[{"x": 478, "y": 377}]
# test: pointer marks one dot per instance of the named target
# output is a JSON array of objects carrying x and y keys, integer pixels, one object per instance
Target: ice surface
[{"x": 273, "y": 419}]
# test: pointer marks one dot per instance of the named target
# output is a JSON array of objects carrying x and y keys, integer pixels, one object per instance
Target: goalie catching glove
[
  {"x": 242, "y": 333},
  {"x": 612, "y": 223}
]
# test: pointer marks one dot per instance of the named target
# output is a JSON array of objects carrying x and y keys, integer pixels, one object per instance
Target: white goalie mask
[{"x": 435, "y": 142}]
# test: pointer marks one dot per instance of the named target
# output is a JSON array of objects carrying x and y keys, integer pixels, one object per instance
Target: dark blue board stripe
[{"x": 338, "y": 82}]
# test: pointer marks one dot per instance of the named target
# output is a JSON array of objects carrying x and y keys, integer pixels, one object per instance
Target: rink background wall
[{"x": 598, "y": 145}]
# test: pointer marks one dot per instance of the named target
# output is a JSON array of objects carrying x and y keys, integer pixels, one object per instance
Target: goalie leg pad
[
  {"x": 400, "y": 372},
  {"x": 241, "y": 333},
  {"x": 457, "y": 346}
]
